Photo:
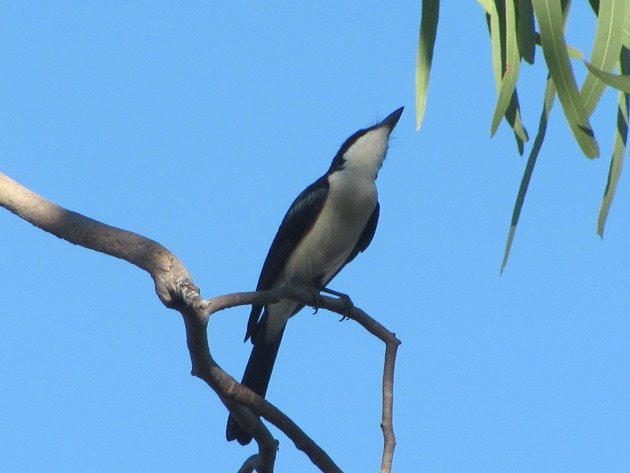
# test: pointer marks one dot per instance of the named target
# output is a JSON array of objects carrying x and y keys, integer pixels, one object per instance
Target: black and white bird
[{"x": 329, "y": 223}]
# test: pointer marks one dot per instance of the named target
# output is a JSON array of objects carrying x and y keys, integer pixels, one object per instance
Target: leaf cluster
[{"x": 514, "y": 38}]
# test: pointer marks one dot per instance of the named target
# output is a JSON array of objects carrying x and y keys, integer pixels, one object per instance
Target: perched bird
[{"x": 329, "y": 223}]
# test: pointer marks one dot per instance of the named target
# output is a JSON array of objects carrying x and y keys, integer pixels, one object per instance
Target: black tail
[{"x": 256, "y": 377}]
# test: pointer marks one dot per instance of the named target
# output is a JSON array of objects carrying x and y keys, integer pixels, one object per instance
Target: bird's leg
[
  {"x": 317, "y": 297},
  {"x": 345, "y": 299}
]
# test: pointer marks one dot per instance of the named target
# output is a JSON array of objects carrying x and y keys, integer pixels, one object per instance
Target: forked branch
[{"x": 174, "y": 287}]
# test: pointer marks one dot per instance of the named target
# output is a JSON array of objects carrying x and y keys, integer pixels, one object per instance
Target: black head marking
[
  {"x": 390, "y": 121},
  {"x": 338, "y": 161}
]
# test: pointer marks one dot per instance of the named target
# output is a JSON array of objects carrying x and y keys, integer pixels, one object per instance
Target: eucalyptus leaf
[
  {"x": 550, "y": 93},
  {"x": 549, "y": 15},
  {"x": 610, "y": 20},
  {"x": 426, "y": 42},
  {"x": 511, "y": 67},
  {"x": 619, "y": 150},
  {"x": 619, "y": 82},
  {"x": 526, "y": 30}
]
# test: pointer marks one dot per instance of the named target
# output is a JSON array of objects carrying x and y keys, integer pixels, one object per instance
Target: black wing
[
  {"x": 367, "y": 235},
  {"x": 299, "y": 219}
]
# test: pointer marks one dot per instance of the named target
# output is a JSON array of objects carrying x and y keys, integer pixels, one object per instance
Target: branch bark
[{"x": 175, "y": 288}]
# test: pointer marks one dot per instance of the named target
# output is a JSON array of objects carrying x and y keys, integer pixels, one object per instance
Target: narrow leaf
[
  {"x": 496, "y": 25},
  {"x": 610, "y": 20},
  {"x": 526, "y": 30},
  {"x": 574, "y": 53},
  {"x": 550, "y": 20},
  {"x": 511, "y": 67},
  {"x": 625, "y": 32},
  {"x": 619, "y": 82},
  {"x": 619, "y": 150},
  {"x": 426, "y": 42},
  {"x": 513, "y": 117},
  {"x": 495, "y": 39},
  {"x": 550, "y": 93}
]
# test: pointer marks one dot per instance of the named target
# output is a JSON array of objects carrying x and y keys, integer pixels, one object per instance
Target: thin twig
[
  {"x": 339, "y": 306},
  {"x": 387, "y": 424}
]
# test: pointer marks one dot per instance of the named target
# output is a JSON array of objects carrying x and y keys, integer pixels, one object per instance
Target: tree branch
[
  {"x": 176, "y": 290},
  {"x": 161, "y": 264},
  {"x": 174, "y": 287}
]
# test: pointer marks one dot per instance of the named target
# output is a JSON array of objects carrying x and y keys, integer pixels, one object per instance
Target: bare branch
[
  {"x": 251, "y": 464},
  {"x": 307, "y": 296},
  {"x": 391, "y": 347},
  {"x": 176, "y": 290},
  {"x": 264, "y": 460},
  {"x": 228, "y": 387},
  {"x": 164, "y": 267}
]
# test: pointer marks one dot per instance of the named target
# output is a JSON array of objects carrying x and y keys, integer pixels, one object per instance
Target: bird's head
[{"x": 365, "y": 150}]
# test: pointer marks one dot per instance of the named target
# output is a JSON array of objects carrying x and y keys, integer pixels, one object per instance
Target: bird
[{"x": 327, "y": 226}]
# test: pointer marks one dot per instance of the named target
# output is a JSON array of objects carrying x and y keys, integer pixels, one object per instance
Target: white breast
[{"x": 351, "y": 200}]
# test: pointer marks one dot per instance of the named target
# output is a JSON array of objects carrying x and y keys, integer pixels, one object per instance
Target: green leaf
[
  {"x": 550, "y": 93},
  {"x": 426, "y": 42},
  {"x": 496, "y": 24},
  {"x": 610, "y": 20},
  {"x": 619, "y": 150},
  {"x": 625, "y": 31},
  {"x": 619, "y": 82},
  {"x": 510, "y": 69},
  {"x": 526, "y": 30},
  {"x": 495, "y": 39},
  {"x": 549, "y": 15},
  {"x": 574, "y": 53},
  {"x": 513, "y": 117}
]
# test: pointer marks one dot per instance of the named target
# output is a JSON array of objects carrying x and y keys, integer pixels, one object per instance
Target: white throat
[{"x": 366, "y": 154}]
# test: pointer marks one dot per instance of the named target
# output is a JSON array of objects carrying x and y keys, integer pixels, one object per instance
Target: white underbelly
[{"x": 326, "y": 247}]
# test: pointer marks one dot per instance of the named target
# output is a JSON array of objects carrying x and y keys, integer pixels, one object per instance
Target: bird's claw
[
  {"x": 317, "y": 300},
  {"x": 347, "y": 306},
  {"x": 346, "y": 302}
]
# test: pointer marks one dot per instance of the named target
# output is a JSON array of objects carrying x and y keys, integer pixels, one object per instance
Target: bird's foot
[
  {"x": 317, "y": 300},
  {"x": 345, "y": 300}
]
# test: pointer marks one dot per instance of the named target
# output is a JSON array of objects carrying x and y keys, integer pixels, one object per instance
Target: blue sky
[{"x": 197, "y": 125}]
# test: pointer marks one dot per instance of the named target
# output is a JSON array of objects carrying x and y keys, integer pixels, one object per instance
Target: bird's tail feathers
[{"x": 256, "y": 377}]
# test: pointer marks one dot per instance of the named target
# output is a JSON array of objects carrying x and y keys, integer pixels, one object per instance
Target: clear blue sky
[{"x": 197, "y": 125}]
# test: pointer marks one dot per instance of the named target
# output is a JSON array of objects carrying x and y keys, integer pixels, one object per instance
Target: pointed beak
[{"x": 391, "y": 120}]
